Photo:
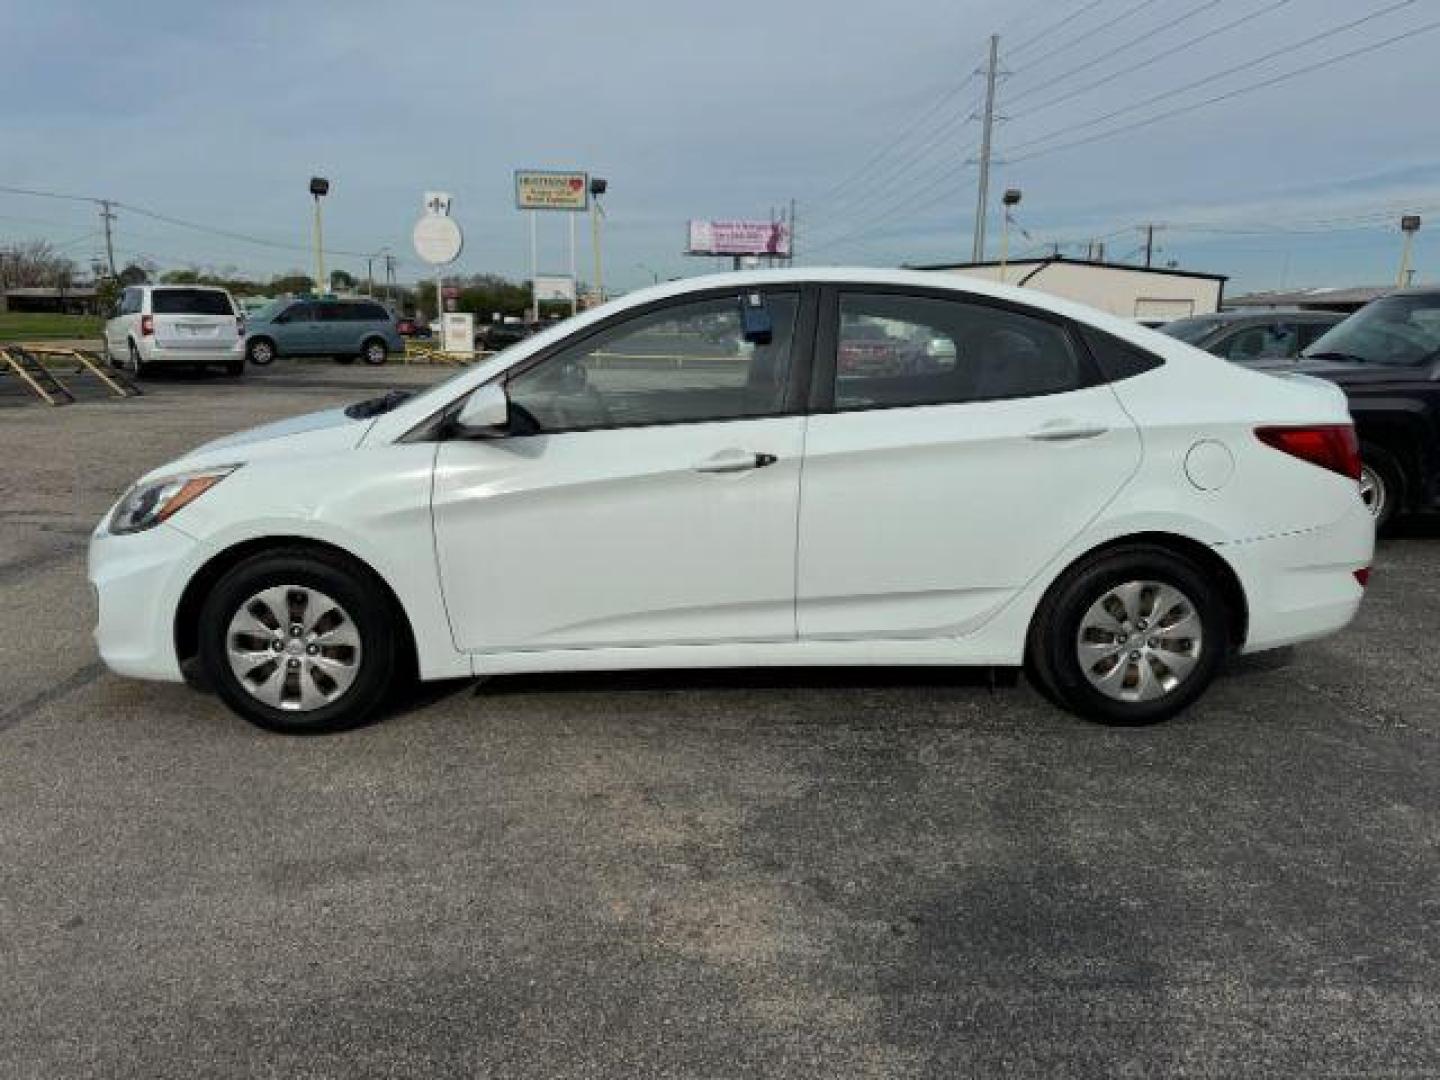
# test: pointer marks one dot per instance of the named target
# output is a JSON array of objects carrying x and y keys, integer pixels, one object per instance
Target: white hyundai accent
[{"x": 801, "y": 467}]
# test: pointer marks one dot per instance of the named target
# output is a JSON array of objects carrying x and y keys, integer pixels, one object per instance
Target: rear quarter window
[
  {"x": 190, "y": 302},
  {"x": 1117, "y": 359}
]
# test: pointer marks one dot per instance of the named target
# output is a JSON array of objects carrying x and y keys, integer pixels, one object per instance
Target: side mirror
[
  {"x": 485, "y": 414},
  {"x": 755, "y": 324}
]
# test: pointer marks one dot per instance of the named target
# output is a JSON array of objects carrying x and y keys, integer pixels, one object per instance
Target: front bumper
[{"x": 138, "y": 580}]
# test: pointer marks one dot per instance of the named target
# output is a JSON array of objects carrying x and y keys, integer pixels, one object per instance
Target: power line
[
  {"x": 1181, "y": 110},
  {"x": 1066, "y": 21},
  {"x": 1133, "y": 9},
  {"x": 1206, "y": 6},
  {"x": 880, "y": 154},
  {"x": 1152, "y": 99},
  {"x": 1163, "y": 54}
]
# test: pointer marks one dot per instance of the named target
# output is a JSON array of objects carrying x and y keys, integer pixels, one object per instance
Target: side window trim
[{"x": 826, "y": 355}]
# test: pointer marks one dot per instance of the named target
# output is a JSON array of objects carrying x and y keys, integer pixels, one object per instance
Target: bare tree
[{"x": 35, "y": 262}]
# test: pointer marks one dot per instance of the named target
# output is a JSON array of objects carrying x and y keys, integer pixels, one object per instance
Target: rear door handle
[
  {"x": 735, "y": 461},
  {"x": 1066, "y": 431}
]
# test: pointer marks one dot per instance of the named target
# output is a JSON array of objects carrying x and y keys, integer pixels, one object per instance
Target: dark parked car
[
  {"x": 412, "y": 326},
  {"x": 1387, "y": 359},
  {"x": 492, "y": 337},
  {"x": 1254, "y": 337}
]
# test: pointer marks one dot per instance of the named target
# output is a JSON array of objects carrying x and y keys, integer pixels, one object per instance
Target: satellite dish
[{"x": 437, "y": 239}]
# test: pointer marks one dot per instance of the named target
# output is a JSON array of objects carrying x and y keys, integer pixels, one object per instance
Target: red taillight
[
  {"x": 1331, "y": 446},
  {"x": 1363, "y": 576},
  {"x": 147, "y": 325}
]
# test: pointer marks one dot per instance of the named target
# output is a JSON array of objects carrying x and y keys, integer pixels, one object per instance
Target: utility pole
[
  {"x": 983, "y": 196},
  {"x": 1149, "y": 244},
  {"x": 370, "y": 275},
  {"x": 106, "y": 217}
]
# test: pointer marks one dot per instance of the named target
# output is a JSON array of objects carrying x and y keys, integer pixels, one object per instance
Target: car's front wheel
[
  {"x": 1132, "y": 637},
  {"x": 298, "y": 643},
  {"x": 1382, "y": 484}
]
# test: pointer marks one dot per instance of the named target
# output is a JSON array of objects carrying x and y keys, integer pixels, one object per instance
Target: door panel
[
  {"x": 923, "y": 511},
  {"x": 621, "y": 537}
]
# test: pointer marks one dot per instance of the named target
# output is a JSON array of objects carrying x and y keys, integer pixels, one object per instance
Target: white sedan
[{"x": 758, "y": 469}]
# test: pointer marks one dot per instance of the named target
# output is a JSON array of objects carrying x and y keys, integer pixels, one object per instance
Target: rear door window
[{"x": 190, "y": 302}]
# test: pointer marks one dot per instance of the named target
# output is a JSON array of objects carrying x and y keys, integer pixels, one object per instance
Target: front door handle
[
  {"x": 735, "y": 461},
  {"x": 1066, "y": 431}
]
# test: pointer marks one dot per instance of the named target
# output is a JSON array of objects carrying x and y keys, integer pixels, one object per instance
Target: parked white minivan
[
  {"x": 168, "y": 325},
  {"x": 792, "y": 467}
]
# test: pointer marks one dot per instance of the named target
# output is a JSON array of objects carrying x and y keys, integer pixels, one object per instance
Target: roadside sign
[
  {"x": 437, "y": 239},
  {"x": 437, "y": 202},
  {"x": 554, "y": 288},
  {"x": 457, "y": 332},
  {"x": 739, "y": 238},
  {"x": 539, "y": 189}
]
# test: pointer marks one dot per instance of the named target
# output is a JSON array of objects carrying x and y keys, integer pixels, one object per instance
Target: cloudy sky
[{"x": 216, "y": 115}]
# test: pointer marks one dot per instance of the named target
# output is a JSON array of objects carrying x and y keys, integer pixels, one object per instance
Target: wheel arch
[
  {"x": 186, "y": 629},
  {"x": 1211, "y": 562}
]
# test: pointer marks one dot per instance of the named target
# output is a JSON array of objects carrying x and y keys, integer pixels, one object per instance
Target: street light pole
[
  {"x": 319, "y": 188},
  {"x": 1409, "y": 225},
  {"x": 598, "y": 187},
  {"x": 1009, "y": 200}
]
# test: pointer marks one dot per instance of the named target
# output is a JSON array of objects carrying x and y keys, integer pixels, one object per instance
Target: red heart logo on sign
[{"x": 576, "y": 183}]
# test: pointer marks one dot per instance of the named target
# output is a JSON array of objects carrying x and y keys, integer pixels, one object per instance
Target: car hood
[{"x": 311, "y": 433}]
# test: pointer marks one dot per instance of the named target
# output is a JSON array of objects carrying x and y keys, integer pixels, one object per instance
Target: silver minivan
[{"x": 167, "y": 325}]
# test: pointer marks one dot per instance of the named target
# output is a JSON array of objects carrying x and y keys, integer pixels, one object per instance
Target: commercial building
[{"x": 1133, "y": 292}]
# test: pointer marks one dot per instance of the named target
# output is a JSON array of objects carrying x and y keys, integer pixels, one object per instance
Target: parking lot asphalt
[{"x": 797, "y": 874}]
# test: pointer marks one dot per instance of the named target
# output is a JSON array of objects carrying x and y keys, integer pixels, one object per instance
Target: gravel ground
[{"x": 797, "y": 874}]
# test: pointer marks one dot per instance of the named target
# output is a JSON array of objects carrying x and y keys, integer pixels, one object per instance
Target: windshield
[
  {"x": 1189, "y": 330},
  {"x": 1403, "y": 331},
  {"x": 269, "y": 311}
]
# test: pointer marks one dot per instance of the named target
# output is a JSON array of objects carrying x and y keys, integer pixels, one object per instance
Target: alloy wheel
[
  {"x": 1373, "y": 492},
  {"x": 293, "y": 648},
  {"x": 1139, "y": 641}
]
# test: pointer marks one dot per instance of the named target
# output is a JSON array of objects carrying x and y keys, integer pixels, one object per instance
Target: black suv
[
  {"x": 1254, "y": 337},
  {"x": 1387, "y": 359}
]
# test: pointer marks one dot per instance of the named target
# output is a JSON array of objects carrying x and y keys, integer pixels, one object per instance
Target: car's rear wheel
[
  {"x": 297, "y": 643},
  {"x": 1382, "y": 484},
  {"x": 1132, "y": 637},
  {"x": 374, "y": 352},
  {"x": 138, "y": 367},
  {"x": 260, "y": 352}
]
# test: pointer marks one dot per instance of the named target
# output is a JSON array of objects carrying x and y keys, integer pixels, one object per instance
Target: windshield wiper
[{"x": 378, "y": 406}]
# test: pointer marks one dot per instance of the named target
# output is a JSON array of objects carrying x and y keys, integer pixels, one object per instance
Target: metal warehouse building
[{"x": 1133, "y": 292}]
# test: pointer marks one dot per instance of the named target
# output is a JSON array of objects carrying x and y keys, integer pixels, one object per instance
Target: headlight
[{"x": 147, "y": 505}]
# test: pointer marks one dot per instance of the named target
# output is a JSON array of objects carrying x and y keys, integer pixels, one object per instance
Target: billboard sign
[
  {"x": 554, "y": 288},
  {"x": 538, "y": 189},
  {"x": 739, "y": 238}
]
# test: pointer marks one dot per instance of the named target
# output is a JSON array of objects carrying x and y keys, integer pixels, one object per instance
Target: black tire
[
  {"x": 138, "y": 367},
  {"x": 1052, "y": 663},
  {"x": 372, "y": 615},
  {"x": 260, "y": 351},
  {"x": 1382, "y": 484},
  {"x": 374, "y": 351}
]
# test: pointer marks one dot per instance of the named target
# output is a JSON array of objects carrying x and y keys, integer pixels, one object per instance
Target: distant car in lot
[
  {"x": 1254, "y": 337},
  {"x": 1386, "y": 357},
  {"x": 1056, "y": 488},
  {"x": 344, "y": 329},
  {"x": 492, "y": 337},
  {"x": 155, "y": 326},
  {"x": 411, "y": 326}
]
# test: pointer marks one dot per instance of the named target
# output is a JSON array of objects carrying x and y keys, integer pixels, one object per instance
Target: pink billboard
[{"x": 739, "y": 238}]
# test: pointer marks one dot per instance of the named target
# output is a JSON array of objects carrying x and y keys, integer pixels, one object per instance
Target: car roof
[{"x": 1263, "y": 315}]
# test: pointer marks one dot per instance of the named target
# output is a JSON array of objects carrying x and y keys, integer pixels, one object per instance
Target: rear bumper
[
  {"x": 152, "y": 352},
  {"x": 1302, "y": 585}
]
